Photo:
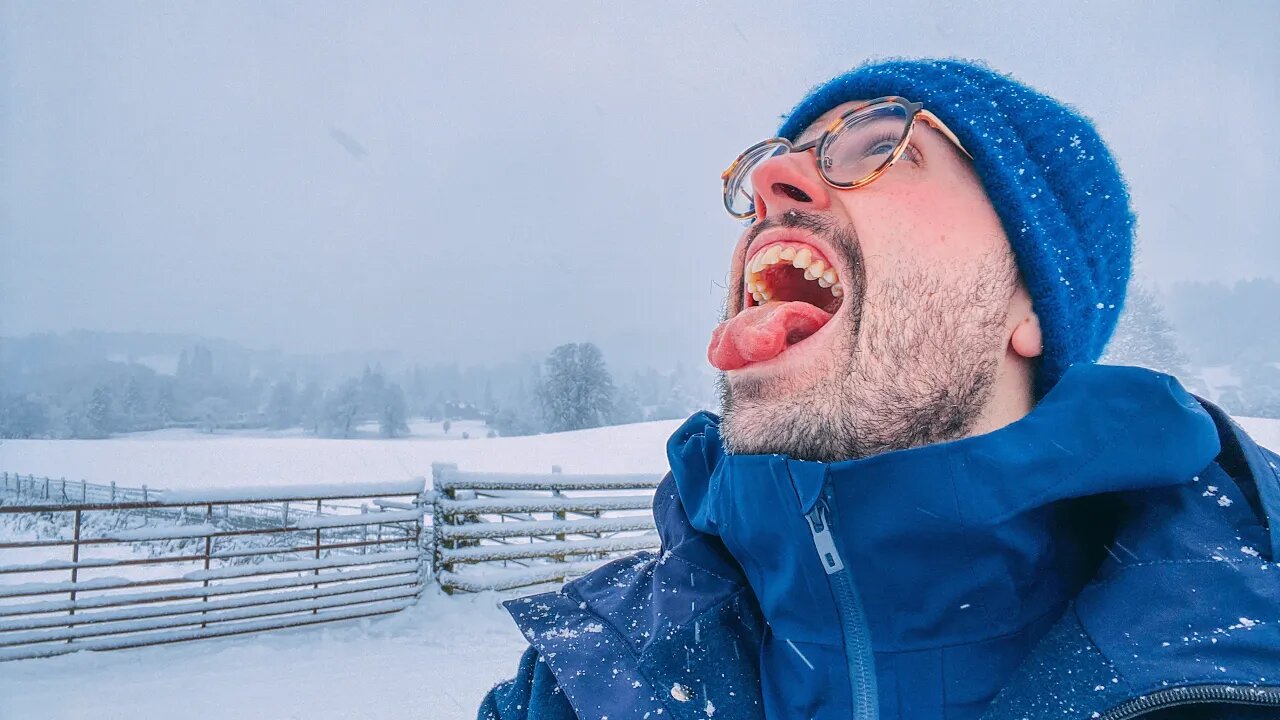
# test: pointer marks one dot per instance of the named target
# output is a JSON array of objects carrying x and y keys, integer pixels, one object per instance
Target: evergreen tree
[
  {"x": 132, "y": 403},
  {"x": 23, "y": 417},
  {"x": 1144, "y": 337},
  {"x": 391, "y": 421},
  {"x": 165, "y": 403},
  {"x": 309, "y": 406},
  {"x": 100, "y": 415},
  {"x": 282, "y": 407},
  {"x": 212, "y": 413},
  {"x": 339, "y": 410},
  {"x": 577, "y": 391}
]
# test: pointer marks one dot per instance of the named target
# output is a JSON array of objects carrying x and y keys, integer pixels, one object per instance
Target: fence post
[
  {"x": 64, "y": 490},
  {"x": 555, "y": 493},
  {"x": 84, "y": 490},
  {"x": 424, "y": 553},
  {"x": 46, "y": 487},
  {"x": 315, "y": 611},
  {"x": 144, "y": 492},
  {"x": 75, "y": 569},
  {"x": 364, "y": 530},
  {"x": 113, "y": 496},
  {"x": 439, "y": 472},
  {"x": 208, "y": 552}
]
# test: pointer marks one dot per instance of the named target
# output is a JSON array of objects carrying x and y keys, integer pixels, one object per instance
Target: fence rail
[
  {"x": 500, "y": 531},
  {"x": 221, "y": 563}
]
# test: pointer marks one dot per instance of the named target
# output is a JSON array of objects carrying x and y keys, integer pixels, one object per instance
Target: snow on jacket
[{"x": 1110, "y": 555}]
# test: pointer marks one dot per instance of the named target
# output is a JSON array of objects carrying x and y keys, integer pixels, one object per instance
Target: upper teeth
[{"x": 797, "y": 256}]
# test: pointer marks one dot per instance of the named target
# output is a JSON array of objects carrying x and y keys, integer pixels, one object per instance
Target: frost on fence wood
[
  {"x": 500, "y": 531},
  {"x": 142, "y": 567}
]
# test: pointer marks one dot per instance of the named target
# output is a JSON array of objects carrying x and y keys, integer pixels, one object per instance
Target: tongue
[{"x": 762, "y": 332}]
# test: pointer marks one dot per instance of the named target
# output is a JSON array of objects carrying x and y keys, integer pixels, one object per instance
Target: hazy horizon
[{"x": 472, "y": 184}]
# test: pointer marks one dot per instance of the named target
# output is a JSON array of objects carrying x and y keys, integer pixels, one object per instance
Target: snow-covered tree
[
  {"x": 165, "y": 402},
  {"x": 132, "y": 403},
  {"x": 282, "y": 406},
  {"x": 1144, "y": 337},
  {"x": 577, "y": 391},
  {"x": 339, "y": 410},
  {"x": 100, "y": 413},
  {"x": 212, "y": 413},
  {"x": 23, "y": 416},
  {"x": 391, "y": 420}
]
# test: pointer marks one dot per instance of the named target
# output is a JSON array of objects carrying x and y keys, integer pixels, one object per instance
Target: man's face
[{"x": 928, "y": 296}]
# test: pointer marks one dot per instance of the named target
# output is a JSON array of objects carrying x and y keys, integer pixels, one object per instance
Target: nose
[{"x": 789, "y": 181}]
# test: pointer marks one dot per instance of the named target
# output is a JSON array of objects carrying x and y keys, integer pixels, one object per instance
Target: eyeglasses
[{"x": 853, "y": 151}]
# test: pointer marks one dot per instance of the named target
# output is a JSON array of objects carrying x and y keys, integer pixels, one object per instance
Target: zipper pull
[{"x": 820, "y": 528}]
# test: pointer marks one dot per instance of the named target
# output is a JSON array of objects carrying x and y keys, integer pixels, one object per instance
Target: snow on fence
[
  {"x": 498, "y": 531},
  {"x": 147, "y": 567}
]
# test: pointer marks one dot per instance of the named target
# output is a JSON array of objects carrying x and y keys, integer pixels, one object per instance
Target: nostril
[{"x": 792, "y": 192}]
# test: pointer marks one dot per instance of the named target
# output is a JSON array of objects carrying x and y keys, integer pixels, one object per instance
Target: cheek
[{"x": 926, "y": 223}]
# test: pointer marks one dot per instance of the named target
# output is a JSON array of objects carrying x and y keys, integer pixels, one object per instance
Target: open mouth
[
  {"x": 791, "y": 290},
  {"x": 791, "y": 272}
]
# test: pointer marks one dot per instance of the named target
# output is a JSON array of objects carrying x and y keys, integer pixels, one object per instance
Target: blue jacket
[{"x": 1110, "y": 555}]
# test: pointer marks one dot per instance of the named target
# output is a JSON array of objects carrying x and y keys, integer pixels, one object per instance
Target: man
[{"x": 923, "y": 499}]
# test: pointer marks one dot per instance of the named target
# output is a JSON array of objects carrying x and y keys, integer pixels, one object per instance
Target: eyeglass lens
[{"x": 850, "y": 154}]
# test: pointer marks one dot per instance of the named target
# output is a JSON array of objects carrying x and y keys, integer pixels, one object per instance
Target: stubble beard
[{"x": 917, "y": 366}]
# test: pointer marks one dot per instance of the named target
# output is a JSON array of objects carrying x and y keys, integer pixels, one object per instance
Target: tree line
[{"x": 572, "y": 388}]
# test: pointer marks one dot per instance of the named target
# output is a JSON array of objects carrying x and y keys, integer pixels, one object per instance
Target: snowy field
[
  {"x": 183, "y": 459},
  {"x": 435, "y": 660}
]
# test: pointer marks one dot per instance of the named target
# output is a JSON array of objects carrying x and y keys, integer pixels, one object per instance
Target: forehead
[{"x": 824, "y": 120}]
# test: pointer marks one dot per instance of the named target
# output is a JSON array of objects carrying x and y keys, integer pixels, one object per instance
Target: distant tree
[
  {"x": 282, "y": 407},
  {"x": 310, "y": 406},
  {"x": 446, "y": 425},
  {"x": 577, "y": 391},
  {"x": 627, "y": 407},
  {"x": 1144, "y": 337},
  {"x": 391, "y": 421},
  {"x": 100, "y": 414},
  {"x": 373, "y": 390},
  {"x": 23, "y": 416},
  {"x": 212, "y": 413},
  {"x": 165, "y": 402},
  {"x": 1225, "y": 324},
  {"x": 339, "y": 410},
  {"x": 133, "y": 404}
]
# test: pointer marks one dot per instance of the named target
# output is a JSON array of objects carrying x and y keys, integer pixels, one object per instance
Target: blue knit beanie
[{"x": 1050, "y": 177}]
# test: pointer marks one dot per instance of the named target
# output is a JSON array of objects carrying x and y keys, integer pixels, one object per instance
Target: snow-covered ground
[
  {"x": 181, "y": 459},
  {"x": 433, "y": 661}
]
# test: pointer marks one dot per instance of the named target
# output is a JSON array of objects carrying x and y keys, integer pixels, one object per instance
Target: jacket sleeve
[{"x": 531, "y": 695}]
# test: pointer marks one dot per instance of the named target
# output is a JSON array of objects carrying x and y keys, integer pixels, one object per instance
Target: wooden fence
[
  {"x": 496, "y": 531},
  {"x": 104, "y": 567},
  {"x": 217, "y": 562}
]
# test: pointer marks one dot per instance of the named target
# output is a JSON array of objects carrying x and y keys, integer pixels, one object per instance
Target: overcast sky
[{"x": 476, "y": 180}]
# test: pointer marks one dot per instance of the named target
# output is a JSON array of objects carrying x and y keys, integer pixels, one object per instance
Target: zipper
[
  {"x": 853, "y": 622},
  {"x": 1174, "y": 697}
]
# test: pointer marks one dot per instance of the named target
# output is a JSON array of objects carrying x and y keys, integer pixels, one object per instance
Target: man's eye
[{"x": 883, "y": 147}]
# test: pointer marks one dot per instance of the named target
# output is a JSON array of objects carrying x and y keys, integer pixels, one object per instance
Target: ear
[{"x": 1026, "y": 340}]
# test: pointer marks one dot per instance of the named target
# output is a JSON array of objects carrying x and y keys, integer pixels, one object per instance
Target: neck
[{"x": 1012, "y": 395}]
